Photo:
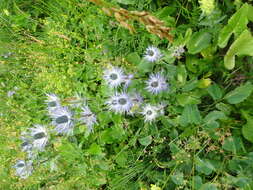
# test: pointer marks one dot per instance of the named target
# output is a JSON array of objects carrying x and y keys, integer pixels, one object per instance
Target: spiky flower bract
[
  {"x": 39, "y": 137},
  {"x": 127, "y": 79},
  {"x": 120, "y": 102},
  {"x": 151, "y": 112},
  {"x": 156, "y": 83},
  {"x": 88, "y": 118},
  {"x": 114, "y": 76},
  {"x": 152, "y": 54},
  {"x": 62, "y": 120},
  {"x": 23, "y": 169},
  {"x": 53, "y": 102}
]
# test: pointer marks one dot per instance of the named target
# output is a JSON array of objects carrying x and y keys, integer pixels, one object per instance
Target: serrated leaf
[
  {"x": 198, "y": 42},
  {"x": 236, "y": 24},
  {"x": 243, "y": 45},
  {"x": 239, "y": 94}
]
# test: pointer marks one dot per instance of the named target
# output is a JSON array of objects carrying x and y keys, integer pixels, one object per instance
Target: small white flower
[
  {"x": 152, "y": 54},
  {"x": 23, "y": 169},
  {"x": 151, "y": 112},
  {"x": 53, "y": 102},
  {"x": 39, "y": 137},
  {"x": 127, "y": 79},
  {"x": 178, "y": 51},
  {"x": 120, "y": 103},
  {"x": 114, "y": 76},
  {"x": 62, "y": 120},
  {"x": 88, "y": 118},
  {"x": 156, "y": 83}
]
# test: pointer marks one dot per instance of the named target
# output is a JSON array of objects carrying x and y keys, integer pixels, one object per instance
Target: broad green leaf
[
  {"x": 178, "y": 178},
  {"x": 187, "y": 98},
  {"x": 181, "y": 74},
  {"x": 145, "y": 66},
  {"x": 239, "y": 94},
  {"x": 243, "y": 45},
  {"x": 94, "y": 149},
  {"x": 197, "y": 182},
  {"x": 214, "y": 115},
  {"x": 133, "y": 58},
  {"x": 191, "y": 115},
  {"x": 232, "y": 144},
  {"x": 247, "y": 129},
  {"x": 121, "y": 159},
  {"x": 236, "y": 24},
  {"x": 215, "y": 91},
  {"x": 198, "y": 42},
  {"x": 204, "y": 166},
  {"x": 208, "y": 186},
  {"x": 145, "y": 141}
]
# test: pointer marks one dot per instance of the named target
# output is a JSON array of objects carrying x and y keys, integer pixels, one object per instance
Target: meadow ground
[{"x": 126, "y": 95}]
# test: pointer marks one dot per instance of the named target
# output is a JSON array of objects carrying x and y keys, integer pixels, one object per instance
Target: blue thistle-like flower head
[
  {"x": 114, "y": 76},
  {"x": 23, "y": 169},
  {"x": 152, "y": 54},
  {"x": 120, "y": 102},
  {"x": 156, "y": 83},
  {"x": 62, "y": 120},
  {"x": 151, "y": 112},
  {"x": 53, "y": 102},
  {"x": 39, "y": 137}
]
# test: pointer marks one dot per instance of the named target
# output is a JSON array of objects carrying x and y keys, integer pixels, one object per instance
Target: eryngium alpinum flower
[
  {"x": 23, "y": 169},
  {"x": 156, "y": 83},
  {"x": 151, "y": 112},
  {"x": 62, "y": 120},
  {"x": 114, "y": 76},
  {"x": 120, "y": 103},
  {"x": 88, "y": 118},
  {"x": 53, "y": 102},
  {"x": 39, "y": 137},
  {"x": 152, "y": 54}
]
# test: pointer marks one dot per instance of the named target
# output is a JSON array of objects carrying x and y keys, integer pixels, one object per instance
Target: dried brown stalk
[{"x": 123, "y": 16}]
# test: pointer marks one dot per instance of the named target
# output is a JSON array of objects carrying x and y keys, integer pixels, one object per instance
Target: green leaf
[
  {"x": 199, "y": 41},
  {"x": 213, "y": 116},
  {"x": 127, "y": 2},
  {"x": 133, "y": 58},
  {"x": 215, "y": 91},
  {"x": 243, "y": 45},
  {"x": 204, "y": 166},
  {"x": 247, "y": 129},
  {"x": 191, "y": 115},
  {"x": 232, "y": 144},
  {"x": 187, "y": 98},
  {"x": 236, "y": 24},
  {"x": 145, "y": 66},
  {"x": 208, "y": 186},
  {"x": 197, "y": 182},
  {"x": 145, "y": 141},
  {"x": 95, "y": 149},
  {"x": 239, "y": 94},
  {"x": 178, "y": 178}
]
